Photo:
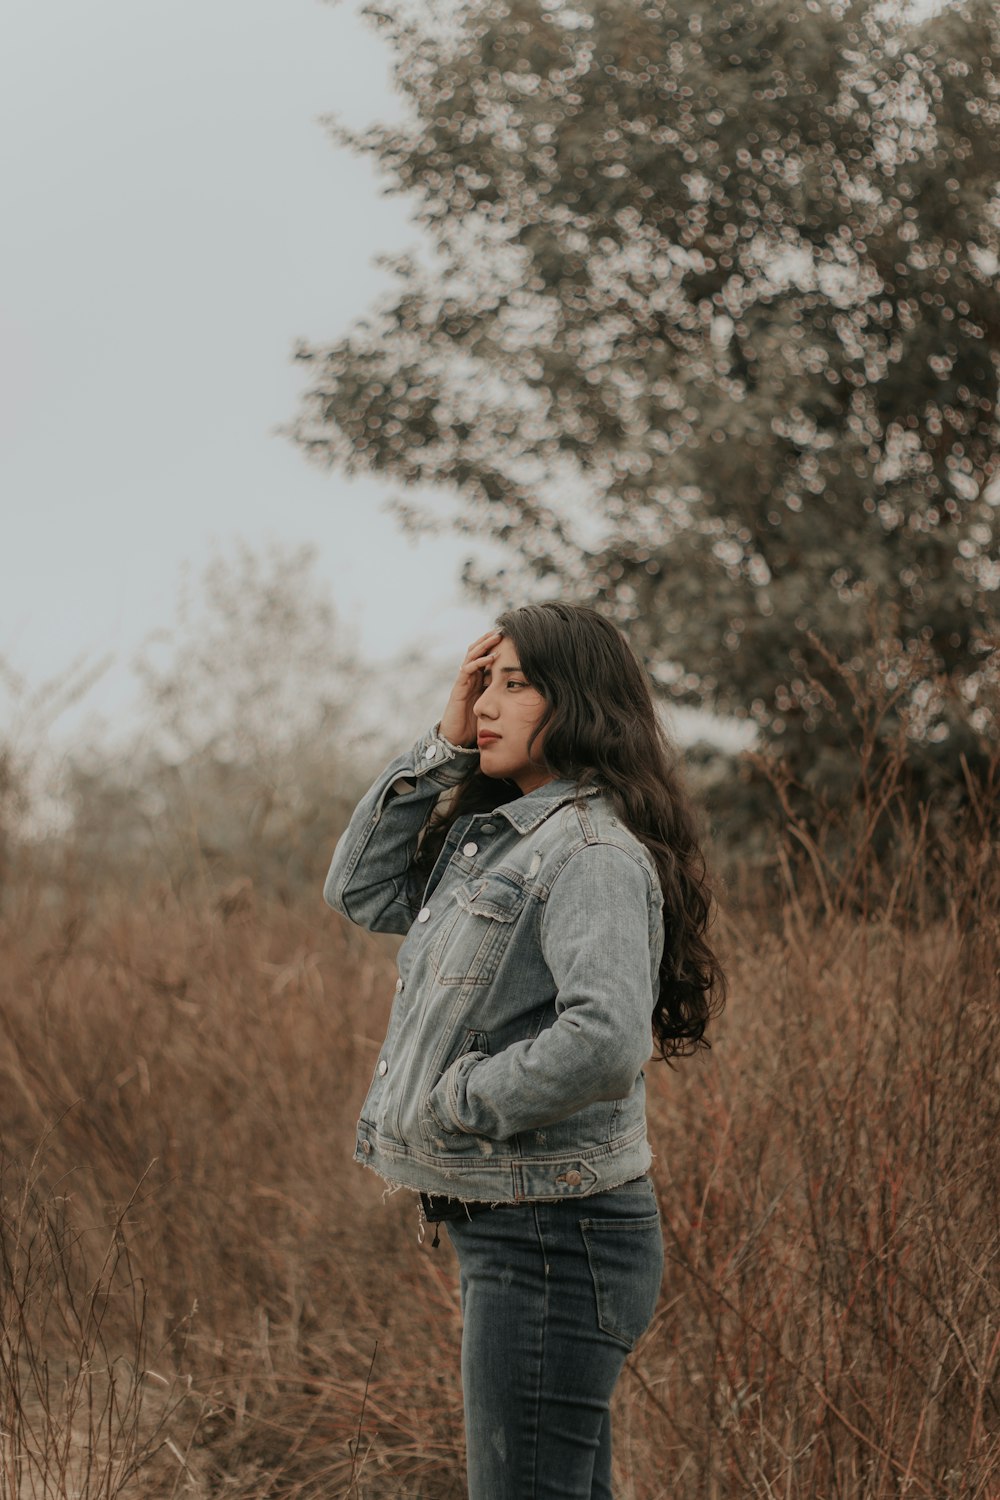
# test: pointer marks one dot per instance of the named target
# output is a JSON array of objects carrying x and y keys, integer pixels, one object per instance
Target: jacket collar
[{"x": 525, "y": 813}]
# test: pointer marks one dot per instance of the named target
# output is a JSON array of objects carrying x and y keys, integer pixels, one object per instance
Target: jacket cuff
[
  {"x": 449, "y": 764},
  {"x": 459, "y": 749}
]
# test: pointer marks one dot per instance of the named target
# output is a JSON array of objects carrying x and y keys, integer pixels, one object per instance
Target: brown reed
[{"x": 202, "y": 1295}]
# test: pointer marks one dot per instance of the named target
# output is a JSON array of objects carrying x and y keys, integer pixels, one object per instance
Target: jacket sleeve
[
  {"x": 369, "y": 879},
  {"x": 602, "y": 938}
]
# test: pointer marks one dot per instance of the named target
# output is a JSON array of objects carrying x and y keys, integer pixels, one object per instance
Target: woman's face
[{"x": 506, "y": 714}]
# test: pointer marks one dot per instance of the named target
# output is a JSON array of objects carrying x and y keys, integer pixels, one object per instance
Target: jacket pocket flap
[{"x": 494, "y": 898}]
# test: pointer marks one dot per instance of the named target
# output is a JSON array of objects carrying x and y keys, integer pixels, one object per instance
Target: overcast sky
[{"x": 174, "y": 217}]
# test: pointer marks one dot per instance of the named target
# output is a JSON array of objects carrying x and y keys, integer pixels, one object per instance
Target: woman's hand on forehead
[{"x": 458, "y": 722}]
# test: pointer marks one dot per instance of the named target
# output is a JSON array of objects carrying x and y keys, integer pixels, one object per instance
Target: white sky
[{"x": 173, "y": 217}]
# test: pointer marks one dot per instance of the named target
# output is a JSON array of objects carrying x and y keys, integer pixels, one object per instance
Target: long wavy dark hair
[{"x": 601, "y": 728}]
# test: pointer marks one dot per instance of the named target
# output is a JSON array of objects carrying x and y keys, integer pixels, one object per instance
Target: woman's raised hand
[{"x": 458, "y": 722}]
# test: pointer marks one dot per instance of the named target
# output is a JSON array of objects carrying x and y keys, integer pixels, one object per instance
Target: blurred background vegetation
[{"x": 704, "y": 329}]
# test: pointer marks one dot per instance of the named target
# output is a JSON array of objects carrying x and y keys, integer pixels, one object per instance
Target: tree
[
  {"x": 256, "y": 662},
  {"x": 29, "y": 800},
  {"x": 251, "y": 750},
  {"x": 261, "y": 724},
  {"x": 711, "y": 334}
]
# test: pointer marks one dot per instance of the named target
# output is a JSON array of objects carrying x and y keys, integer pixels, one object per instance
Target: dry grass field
[{"x": 203, "y": 1296}]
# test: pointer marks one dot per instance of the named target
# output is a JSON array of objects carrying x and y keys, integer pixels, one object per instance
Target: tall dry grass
[{"x": 203, "y": 1296}]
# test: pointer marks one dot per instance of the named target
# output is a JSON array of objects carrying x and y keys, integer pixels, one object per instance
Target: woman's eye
[{"x": 513, "y": 682}]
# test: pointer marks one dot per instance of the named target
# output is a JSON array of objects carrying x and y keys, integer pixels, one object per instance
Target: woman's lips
[{"x": 487, "y": 739}]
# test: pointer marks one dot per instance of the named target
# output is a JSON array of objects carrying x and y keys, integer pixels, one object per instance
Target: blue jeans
[{"x": 554, "y": 1295}]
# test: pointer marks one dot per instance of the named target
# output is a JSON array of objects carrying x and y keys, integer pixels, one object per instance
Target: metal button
[
  {"x": 487, "y": 828},
  {"x": 383, "y": 1068},
  {"x": 423, "y": 914},
  {"x": 399, "y": 986},
  {"x": 470, "y": 849},
  {"x": 430, "y": 752},
  {"x": 366, "y": 1147},
  {"x": 572, "y": 1179}
]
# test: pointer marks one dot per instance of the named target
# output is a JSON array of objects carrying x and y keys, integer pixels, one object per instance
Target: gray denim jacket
[{"x": 512, "y": 1068}]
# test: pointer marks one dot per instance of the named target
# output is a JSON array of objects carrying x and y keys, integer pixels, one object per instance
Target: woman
[{"x": 554, "y": 908}]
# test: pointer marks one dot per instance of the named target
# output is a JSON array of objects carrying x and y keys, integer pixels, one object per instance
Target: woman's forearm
[{"x": 370, "y": 879}]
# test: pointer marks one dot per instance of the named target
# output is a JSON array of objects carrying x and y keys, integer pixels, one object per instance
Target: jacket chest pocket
[{"x": 473, "y": 940}]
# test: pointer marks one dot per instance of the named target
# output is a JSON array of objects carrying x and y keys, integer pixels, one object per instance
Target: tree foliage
[
  {"x": 710, "y": 331},
  {"x": 259, "y": 725},
  {"x": 255, "y": 662},
  {"x": 249, "y": 749}
]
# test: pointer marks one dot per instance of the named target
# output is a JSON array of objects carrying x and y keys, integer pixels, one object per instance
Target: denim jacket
[{"x": 512, "y": 1067}]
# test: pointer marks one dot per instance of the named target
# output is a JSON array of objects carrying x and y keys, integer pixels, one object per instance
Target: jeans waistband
[{"x": 438, "y": 1208}]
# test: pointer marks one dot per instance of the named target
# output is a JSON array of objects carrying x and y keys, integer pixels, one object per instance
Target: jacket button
[
  {"x": 430, "y": 752},
  {"x": 572, "y": 1179},
  {"x": 383, "y": 1068},
  {"x": 366, "y": 1148},
  {"x": 470, "y": 849},
  {"x": 487, "y": 828},
  {"x": 399, "y": 986},
  {"x": 423, "y": 914}
]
